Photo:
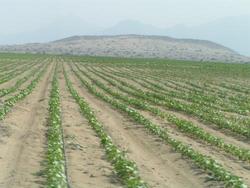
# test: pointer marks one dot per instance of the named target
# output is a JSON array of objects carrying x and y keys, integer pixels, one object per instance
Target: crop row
[
  {"x": 125, "y": 169},
  {"x": 237, "y": 104},
  {"x": 10, "y": 102},
  {"x": 167, "y": 71},
  {"x": 233, "y": 118},
  {"x": 204, "y": 162},
  {"x": 8, "y": 67},
  {"x": 173, "y": 92},
  {"x": 187, "y": 127},
  {"x": 200, "y": 97},
  {"x": 55, "y": 171},
  {"x": 204, "y": 113},
  {"x": 18, "y": 83},
  {"x": 12, "y": 68},
  {"x": 15, "y": 73}
]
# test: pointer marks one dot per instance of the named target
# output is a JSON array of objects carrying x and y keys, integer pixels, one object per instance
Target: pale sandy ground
[{"x": 23, "y": 144}]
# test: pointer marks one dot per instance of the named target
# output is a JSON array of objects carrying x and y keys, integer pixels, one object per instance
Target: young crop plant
[
  {"x": 203, "y": 112},
  {"x": 185, "y": 126},
  {"x": 55, "y": 171},
  {"x": 15, "y": 73},
  {"x": 4, "y": 92},
  {"x": 125, "y": 169},
  {"x": 204, "y": 162},
  {"x": 10, "y": 102},
  {"x": 212, "y": 100}
]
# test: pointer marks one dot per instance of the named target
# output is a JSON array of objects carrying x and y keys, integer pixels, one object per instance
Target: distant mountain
[
  {"x": 57, "y": 29},
  {"x": 232, "y": 32},
  {"x": 134, "y": 46}
]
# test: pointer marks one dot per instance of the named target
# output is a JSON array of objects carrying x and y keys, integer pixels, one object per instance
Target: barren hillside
[{"x": 134, "y": 46}]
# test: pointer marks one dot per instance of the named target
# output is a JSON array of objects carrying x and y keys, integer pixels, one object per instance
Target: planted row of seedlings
[
  {"x": 234, "y": 119},
  {"x": 186, "y": 96},
  {"x": 165, "y": 72},
  {"x": 187, "y": 127},
  {"x": 146, "y": 81},
  {"x": 236, "y": 88},
  {"x": 238, "y": 104},
  {"x": 15, "y": 73},
  {"x": 211, "y": 100},
  {"x": 4, "y": 65},
  {"x": 10, "y": 102},
  {"x": 204, "y": 113},
  {"x": 239, "y": 101},
  {"x": 169, "y": 82},
  {"x": 204, "y": 162},
  {"x": 13, "y": 67},
  {"x": 125, "y": 169},
  {"x": 56, "y": 170},
  {"x": 227, "y": 102},
  {"x": 200, "y": 97},
  {"x": 9, "y": 67},
  {"x": 192, "y": 97},
  {"x": 19, "y": 82}
]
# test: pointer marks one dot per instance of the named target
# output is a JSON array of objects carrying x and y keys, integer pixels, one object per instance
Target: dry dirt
[
  {"x": 86, "y": 163},
  {"x": 23, "y": 142},
  {"x": 158, "y": 164},
  {"x": 24, "y": 146}
]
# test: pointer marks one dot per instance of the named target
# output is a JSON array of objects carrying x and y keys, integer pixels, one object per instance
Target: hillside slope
[{"x": 134, "y": 46}]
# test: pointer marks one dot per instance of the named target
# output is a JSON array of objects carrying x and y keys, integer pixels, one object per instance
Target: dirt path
[
  {"x": 86, "y": 163},
  {"x": 23, "y": 141},
  {"x": 157, "y": 163}
]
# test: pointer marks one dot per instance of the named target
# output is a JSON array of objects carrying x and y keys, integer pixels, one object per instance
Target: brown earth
[
  {"x": 86, "y": 163},
  {"x": 24, "y": 145},
  {"x": 23, "y": 142},
  {"x": 158, "y": 164}
]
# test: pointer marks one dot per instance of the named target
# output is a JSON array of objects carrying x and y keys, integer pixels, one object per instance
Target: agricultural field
[{"x": 90, "y": 122}]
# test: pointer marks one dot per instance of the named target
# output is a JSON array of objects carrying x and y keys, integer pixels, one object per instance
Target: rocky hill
[{"x": 134, "y": 46}]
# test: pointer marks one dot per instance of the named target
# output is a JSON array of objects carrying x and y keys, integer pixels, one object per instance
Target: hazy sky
[{"x": 27, "y": 15}]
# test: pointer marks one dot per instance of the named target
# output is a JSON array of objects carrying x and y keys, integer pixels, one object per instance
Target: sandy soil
[
  {"x": 231, "y": 164},
  {"x": 12, "y": 82},
  {"x": 86, "y": 163},
  {"x": 226, "y": 135},
  {"x": 23, "y": 142},
  {"x": 158, "y": 164},
  {"x": 23, "y": 147},
  {"x": 21, "y": 87}
]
